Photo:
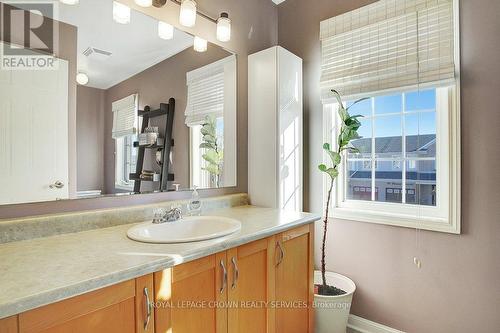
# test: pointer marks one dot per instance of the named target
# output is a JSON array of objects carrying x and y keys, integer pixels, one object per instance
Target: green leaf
[
  {"x": 207, "y": 145},
  {"x": 326, "y": 146},
  {"x": 356, "y": 102},
  {"x": 335, "y": 157},
  {"x": 211, "y": 156},
  {"x": 332, "y": 172},
  {"x": 213, "y": 169},
  {"x": 322, "y": 167},
  {"x": 209, "y": 138}
]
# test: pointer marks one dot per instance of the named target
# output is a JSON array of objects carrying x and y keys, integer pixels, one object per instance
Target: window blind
[
  {"x": 125, "y": 121},
  {"x": 388, "y": 44},
  {"x": 206, "y": 91}
]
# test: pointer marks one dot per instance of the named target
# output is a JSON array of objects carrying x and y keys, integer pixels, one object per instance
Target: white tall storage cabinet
[{"x": 275, "y": 122}]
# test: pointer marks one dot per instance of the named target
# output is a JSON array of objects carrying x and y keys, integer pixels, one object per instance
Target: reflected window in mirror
[{"x": 125, "y": 161}]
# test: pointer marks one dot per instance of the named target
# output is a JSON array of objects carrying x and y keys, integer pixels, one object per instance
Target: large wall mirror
[{"x": 149, "y": 112}]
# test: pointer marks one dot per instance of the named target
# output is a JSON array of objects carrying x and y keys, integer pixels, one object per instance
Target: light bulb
[
  {"x": 165, "y": 30},
  {"x": 82, "y": 78},
  {"x": 187, "y": 16},
  {"x": 200, "y": 44},
  {"x": 69, "y": 2},
  {"x": 121, "y": 13},
  {"x": 144, "y": 3},
  {"x": 224, "y": 28}
]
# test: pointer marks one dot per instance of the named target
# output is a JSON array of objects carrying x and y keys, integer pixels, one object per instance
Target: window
[
  {"x": 406, "y": 170},
  {"x": 126, "y": 161},
  {"x": 200, "y": 177},
  {"x": 125, "y": 129}
]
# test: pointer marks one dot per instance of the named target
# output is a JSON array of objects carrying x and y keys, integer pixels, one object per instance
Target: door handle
[
  {"x": 224, "y": 277},
  {"x": 57, "y": 184},
  {"x": 148, "y": 309},
  {"x": 281, "y": 253},
  {"x": 236, "y": 273}
]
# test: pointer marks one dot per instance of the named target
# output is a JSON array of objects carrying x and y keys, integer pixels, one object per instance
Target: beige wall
[
  {"x": 458, "y": 287},
  {"x": 255, "y": 27},
  {"x": 154, "y": 86},
  {"x": 90, "y": 138}
]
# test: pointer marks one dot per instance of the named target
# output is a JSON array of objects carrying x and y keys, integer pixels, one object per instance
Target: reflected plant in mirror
[{"x": 213, "y": 150}]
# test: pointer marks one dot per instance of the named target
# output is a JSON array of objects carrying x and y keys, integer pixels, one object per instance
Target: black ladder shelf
[{"x": 168, "y": 143}]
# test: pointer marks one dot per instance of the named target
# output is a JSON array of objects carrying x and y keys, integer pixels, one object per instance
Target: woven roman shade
[
  {"x": 125, "y": 120},
  {"x": 386, "y": 45},
  {"x": 206, "y": 91}
]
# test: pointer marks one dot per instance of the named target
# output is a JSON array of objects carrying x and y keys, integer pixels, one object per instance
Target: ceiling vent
[{"x": 95, "y": 53}]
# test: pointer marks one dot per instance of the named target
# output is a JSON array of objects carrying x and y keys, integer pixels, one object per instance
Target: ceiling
[{"x": 134, "y": 47}]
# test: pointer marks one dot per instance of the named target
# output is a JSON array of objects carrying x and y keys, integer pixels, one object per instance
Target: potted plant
[{"x": 333, "y": 292}]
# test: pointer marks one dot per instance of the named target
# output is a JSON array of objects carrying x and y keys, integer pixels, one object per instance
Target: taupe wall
[
  {"x": 255, "y": 27},
  {"x": 154, "y": 86},
  {"x": 90, "y": 138},
  {"x": 457, "y": 289}
]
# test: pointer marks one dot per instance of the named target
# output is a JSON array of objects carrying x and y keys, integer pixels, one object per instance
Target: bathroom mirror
[{"x": 130, "y": 105}]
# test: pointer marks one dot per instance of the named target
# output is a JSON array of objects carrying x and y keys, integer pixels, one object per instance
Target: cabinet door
[
  {"x": 8, "y": 325},
  {"x": 294, "y": 280},
  {"x": 110, "y": 310},
  {"x": 251, "y": 287},
  {"x": 186, "y": 296}
]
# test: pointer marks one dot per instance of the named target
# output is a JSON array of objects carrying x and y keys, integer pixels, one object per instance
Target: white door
[{"x": 34, "y": 134}]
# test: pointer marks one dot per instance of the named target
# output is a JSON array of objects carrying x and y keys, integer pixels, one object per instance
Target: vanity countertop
[{"x": 41, "y": 271}]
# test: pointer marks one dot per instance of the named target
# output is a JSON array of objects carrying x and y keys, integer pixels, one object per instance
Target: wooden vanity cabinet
[
  {"x": 295, "y": 280},
  {"x": 249, "y": 288},
  {"x": 121, "y": 308},
  {"x": 263, "y": 286}
]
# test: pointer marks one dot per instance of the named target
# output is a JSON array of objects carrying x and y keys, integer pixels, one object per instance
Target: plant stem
[{"x": 325, "y": 228}]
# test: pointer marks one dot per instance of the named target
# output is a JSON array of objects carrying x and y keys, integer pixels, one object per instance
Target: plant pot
[{"x": 332, "y": 312}]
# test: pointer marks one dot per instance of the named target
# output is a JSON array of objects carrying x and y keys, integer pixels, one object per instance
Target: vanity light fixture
[
  {"x": 224, "y": 28},
  {"x": 144, "y": 3},
  {"x": 187, "y": 16},
  {"x": 200, "y": 44},
  {"x": 69, "y": 2},
  {"x": 82, "y": 78},
  {"x": 121, "y": 13},
  {"x": 165, "y": 30}
]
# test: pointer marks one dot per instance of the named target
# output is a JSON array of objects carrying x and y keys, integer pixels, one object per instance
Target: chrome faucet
[{"x": 172, "y": 215}]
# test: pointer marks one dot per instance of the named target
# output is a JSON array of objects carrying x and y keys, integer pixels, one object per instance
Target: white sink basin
[{"x": 188, "y": 229}]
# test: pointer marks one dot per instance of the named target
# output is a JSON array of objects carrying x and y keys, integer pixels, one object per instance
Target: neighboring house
[{"x": 420, "y": 169}]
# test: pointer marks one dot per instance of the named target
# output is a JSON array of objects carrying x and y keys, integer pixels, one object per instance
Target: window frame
[
  {"x": 122, "y": 181},
  {"x": 445, "y": 216}
]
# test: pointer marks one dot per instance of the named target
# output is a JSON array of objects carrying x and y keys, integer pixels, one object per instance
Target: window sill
[{"x": 399, "y": 220}]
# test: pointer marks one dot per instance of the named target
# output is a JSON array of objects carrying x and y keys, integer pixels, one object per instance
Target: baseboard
[{"x": 360, "y": 325}]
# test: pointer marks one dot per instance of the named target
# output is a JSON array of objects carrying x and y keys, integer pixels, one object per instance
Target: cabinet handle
[
  {"x": 224, "y": 277},
  {"x": 148, "y": 309},
  {"x": 236, "y": 273},
  {"x": 282, "y": 253}
]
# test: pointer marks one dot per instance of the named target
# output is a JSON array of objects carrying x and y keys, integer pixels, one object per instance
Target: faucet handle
[{"x": 158, "y": 214}]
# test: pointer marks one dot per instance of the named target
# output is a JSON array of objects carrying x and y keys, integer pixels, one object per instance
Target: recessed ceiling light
[
  {"x": 200, "y": 44},
  {"x": 187, "y": 16},
  {"x": 224, "y": 28},
  {"x": 144, "y": 3},
  {"x": 121, "y": 13},
  {"x": 165, "y": 30},
  {"x": 82, "y": 78}
]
